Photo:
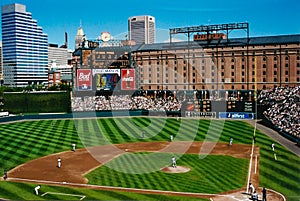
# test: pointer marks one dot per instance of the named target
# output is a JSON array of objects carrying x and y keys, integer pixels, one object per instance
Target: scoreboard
[
  {"x": 241, "y": 106},
  {"x": 225, "y": 106}
]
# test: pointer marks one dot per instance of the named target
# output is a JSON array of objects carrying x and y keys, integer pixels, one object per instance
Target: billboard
[
  {"x": 84, "y": 79},
  {"x": 106, "y": 79},
  {"x": 128, "y": 81},
  {"x": 236, "y": 115}
]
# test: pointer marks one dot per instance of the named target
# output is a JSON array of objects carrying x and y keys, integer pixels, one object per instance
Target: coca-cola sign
[
  {"x": 84, "y": 79},
  {"x": 128, "y": 81}
]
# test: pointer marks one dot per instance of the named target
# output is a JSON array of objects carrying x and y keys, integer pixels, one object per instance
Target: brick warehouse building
[{"x": 215, "y": 64}]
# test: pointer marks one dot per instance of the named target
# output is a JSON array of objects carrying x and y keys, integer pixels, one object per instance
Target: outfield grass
[
  {"x": 24, "y": 141},
  {"x": 213, "y": 174},
  {"x": 25, "y": 191}
]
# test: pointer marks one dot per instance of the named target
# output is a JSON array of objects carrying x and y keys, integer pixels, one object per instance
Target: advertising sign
[
  {"x": 200, "y": 114},
  {"x": 84, "y": 79},
  {"x": 236, "y": 115},
  {"x": 106, "y": 79},
  {"x": 128, "y": 82}
]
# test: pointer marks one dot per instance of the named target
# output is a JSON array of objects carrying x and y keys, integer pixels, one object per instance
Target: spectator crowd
[
  {"x": 283, "y": 108},
  {"x": 125, "y": 102}
]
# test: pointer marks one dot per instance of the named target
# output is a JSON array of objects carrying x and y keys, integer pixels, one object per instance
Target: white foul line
[
  {"x": 66, "y": 194},
  {"x": 112, "y": 187},
  {"x": 255, "y": 164}
]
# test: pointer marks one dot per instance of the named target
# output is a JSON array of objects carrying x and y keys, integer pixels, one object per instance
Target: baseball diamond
[{"x": 31, "y": 150}]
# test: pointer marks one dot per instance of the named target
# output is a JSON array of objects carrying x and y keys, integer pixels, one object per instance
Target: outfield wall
[
  {"x": 37, "y": 102},
  {"x": 74, "y": 115}
]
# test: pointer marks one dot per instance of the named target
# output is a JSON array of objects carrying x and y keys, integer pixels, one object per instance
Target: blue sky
[{"x": 265, "y": 17}]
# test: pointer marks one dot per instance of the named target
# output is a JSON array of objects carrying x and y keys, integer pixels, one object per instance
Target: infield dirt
[{"x": 76, "y": 164}]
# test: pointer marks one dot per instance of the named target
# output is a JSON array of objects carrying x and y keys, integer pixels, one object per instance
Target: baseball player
[
  {"x": 273, "y": 146},
  {"x": 174, "y": 162},
  {"x": 36, "y": 189},
  {"x": 171, "y": 138},
  {"x": 230, "y": 141},
  {"x": 73, "y": 147},
  {"x": 252, "y": 189},
  {"x": 143, "y": 134},
  {"x": 5, "y": 175},
  {"x": 59, "y": 162}
]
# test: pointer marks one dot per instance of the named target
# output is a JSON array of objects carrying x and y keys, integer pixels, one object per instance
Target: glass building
[{"x": 25, "y": 48}]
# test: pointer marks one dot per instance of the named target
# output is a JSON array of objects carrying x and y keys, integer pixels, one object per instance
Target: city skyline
[{"x": 265, "y": 18}]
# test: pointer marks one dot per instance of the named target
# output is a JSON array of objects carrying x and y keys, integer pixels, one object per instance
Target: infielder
[
  {"x": 174, "y": 162},
  {"x": 59, "y": 162},
  {"x": 73, "y": 147},
  {"x": 171, "y": 138},
  {"x": 36, "y": 189},
  {"x": 230, "y": 141},
  {"x": 5, "y": 175}
]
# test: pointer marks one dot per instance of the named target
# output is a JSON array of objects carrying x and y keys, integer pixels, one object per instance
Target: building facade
[
  {"x": 235, "y": 64},
  {"x": 60, "y": 55},
  {"x": 221, "y": 65},
  {"x": 1, "y": 64},
  {"x": 141, "y": 29},
  {"x": 25, "y": 48},
  {"x": 79, "y": 38}
]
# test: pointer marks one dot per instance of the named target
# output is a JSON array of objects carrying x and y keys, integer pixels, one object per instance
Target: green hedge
[{"x": 37, "y": 102}]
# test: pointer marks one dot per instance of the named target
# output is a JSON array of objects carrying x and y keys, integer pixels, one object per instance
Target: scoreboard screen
[{"x": 241, "y": 106}]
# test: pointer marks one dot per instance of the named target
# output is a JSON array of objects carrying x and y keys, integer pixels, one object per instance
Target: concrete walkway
[{"x": 277, "y": 137}]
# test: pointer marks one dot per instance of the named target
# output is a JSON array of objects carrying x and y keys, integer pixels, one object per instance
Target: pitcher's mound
[{"x": 178, "y": 169}]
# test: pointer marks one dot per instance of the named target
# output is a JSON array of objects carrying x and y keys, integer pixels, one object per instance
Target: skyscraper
[
  {"x": 141, "y": 29},
  {"x": 25, "y": 48},
  {"x": 1, "y": 63}
]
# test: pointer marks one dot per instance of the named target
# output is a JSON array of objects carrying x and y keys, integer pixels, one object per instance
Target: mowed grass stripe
[
  {"x": 116, "y": 134},
  {"x": 210, "y": 168},
  {"x": 25, "y": 191},
  {"x": 130, "y": 130},
  {"x": 285, "y": 173}
]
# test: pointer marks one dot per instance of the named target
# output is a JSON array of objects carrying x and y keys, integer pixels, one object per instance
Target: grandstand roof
[{"x": 265, "y": 40}]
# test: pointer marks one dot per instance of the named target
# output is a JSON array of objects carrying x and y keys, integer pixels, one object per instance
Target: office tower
[
  {"x": 59, "y": 61},
  {"x": 141, "y": 29},
  {"x": 25, "y": 48},
  {"x": 1, "y": 63},
  {"x": 59, "y": 55}
]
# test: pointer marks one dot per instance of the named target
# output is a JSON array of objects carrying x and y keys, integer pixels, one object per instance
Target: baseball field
[{"x": 115, "y": 161}]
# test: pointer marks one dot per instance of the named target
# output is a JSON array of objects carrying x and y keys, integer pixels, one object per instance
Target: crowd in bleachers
[
  {"x": 284, "y": 108},
  {"x": 125, "y": 102}
]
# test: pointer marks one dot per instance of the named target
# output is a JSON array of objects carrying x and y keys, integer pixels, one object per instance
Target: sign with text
[
  {"x": 128, "y": 81},
  {"x": 84, "y": 79},
  {"x": 236, "y": 115}
]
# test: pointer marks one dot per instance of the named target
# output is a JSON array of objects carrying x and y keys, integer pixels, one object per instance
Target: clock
[{"x": 105, "y": 36}]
